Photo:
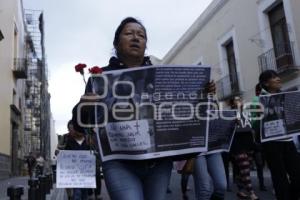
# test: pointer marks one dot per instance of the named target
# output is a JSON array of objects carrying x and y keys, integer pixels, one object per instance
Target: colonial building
[
  {"x": 22, "y": 57},
  {"x": 239, "y": 39},
  {"x": 13, "y": 72}
]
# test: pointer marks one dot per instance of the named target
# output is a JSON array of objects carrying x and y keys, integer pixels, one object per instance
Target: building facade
[
  {"x": 18, "y": 53},
  {"x": 13, "y": 72},
  {"x": 37, "y": 109},
  {"x": 239, "y": 39}
]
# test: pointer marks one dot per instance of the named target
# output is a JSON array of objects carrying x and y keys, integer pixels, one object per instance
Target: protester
[
  {"x": 184, "y": 185},
  {"x": 130, "y": 179},
  {"x": 209, "y": 177},
  {"x": 228, "y": 159},
  {"x": 258, "y": 155},
  {"x": 95, "y": 194},
  {"x": 40, "y": 163},
  {"x": 259, "y": 163},
  {"x": 63, "y": 139},
  {"x": 31, "y": 162},
  {"x": 77, "y": 141},
  {"x": 242, "y": 149},
  {"x": 62, "y": 142},
  {"x": 281, "y": 155},
  {"x": 135, "y": 180},
  {"x": 185, "y": 169}
]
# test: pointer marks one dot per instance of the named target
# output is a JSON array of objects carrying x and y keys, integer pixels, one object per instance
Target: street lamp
[{"x": 1, "y": 36}]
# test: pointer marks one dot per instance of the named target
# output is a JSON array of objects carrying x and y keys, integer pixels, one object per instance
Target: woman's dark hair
[
  {"x": 121, "y": 27},
  {"x": 265, "y": 76},
  {"x": 258, "y": 89},
  {"x": 69, "y": 123}
]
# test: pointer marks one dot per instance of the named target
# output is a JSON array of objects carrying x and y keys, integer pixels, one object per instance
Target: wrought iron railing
[
  {"x": 279, "y": 58},
  {"x": 20, "y": 68}
]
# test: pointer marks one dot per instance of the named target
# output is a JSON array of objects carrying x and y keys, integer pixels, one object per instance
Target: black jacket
[{"x": 114, "y": 64}]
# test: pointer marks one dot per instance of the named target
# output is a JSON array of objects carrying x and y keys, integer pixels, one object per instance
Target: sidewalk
[
  {"x": 5, "y": 183},
  {"x": 55, "y": 194},
  {"x": 60, "y": 194}
]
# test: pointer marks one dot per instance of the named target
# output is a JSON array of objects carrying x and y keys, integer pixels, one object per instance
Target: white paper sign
[
  {"x": 76, "y": 169},
  {"x": 129, "y": 135},
  {"x": 274, "y": 127}
]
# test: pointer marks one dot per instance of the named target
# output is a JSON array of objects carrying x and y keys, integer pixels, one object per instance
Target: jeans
[
  {"x": 209, "y": 177},
  {"x": 80, "y": 194},
  {"x": 137, "y": 180}
]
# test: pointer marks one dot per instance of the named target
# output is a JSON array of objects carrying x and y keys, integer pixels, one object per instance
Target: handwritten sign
[
  {"x": 76, "y": 169},
  {"x": 129, "y": 135},
  {"x": 274, "y": 127}
]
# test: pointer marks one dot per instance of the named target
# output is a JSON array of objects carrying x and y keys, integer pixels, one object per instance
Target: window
[
  {"x": 280, "y": 36},
  {"x": 233, "y": 77}
]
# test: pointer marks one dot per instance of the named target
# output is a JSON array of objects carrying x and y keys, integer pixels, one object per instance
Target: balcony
[
  {"x": 20, "y": 68},
  {"x": 227, "y": 87},
  {"x": 280, "y": 58}
]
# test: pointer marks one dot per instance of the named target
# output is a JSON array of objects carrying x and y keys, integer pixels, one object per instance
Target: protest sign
[
  {"x": 76, "y": 169},
  {"x": 150, "y": 112},
  {"x": 281, "y": 117},
  {"x": 221, "y": 130}
]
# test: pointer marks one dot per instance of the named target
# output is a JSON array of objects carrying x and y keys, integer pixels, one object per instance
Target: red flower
[
  {"x": 95, "y": 70},
  {"x": 79, "y": 68}
]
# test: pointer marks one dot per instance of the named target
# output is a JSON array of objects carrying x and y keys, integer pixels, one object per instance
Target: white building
[
  {"x": 13, "y": 72},
  {"x": 24, "y": 104},
  {"x": 241, "y": 38}
]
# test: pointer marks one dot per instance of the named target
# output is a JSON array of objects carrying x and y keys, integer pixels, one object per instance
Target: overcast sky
[{"x": 83, "y": 30}]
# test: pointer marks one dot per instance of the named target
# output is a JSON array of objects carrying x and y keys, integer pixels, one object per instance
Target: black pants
[
  {"x": 184, "y": 182},
  {"x": 284, "y": 163},
  {"x": 259, "y": 162}
]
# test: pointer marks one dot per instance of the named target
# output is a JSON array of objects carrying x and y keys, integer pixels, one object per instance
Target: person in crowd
[
  {"x": 31, "y": 162},
  {"x": 53, "y": 168},
  {"x": 242, "y": 149},
  {"x": 126, "y": 179},
  {"x": 61, "y": 145},
  {"x": 227, "y": 159},
  {"x": 259, "y": 163},
  {"x": 281, "y": 155},
  {"x": 77, "y": 141},
  {"x": 257, "y": 155},
  {"x": 63, "y": 139},
  {"x": 209, "y": 169},
  {"x": 95, "y": 194},
  {"x": 134, "y": 179},
  {"x": 184, "y": 185},
  {"x": 40, "y": 163},
  {"x": 181, "y": 167}
]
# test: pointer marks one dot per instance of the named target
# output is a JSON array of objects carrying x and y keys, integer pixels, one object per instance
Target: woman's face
[
  {"x": 273, "y": 84},
  {"x": 132, "y": 41}
]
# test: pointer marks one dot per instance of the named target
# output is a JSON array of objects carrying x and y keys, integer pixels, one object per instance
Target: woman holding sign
[
  {"x": 134, "y": 179},
  {"x": 281, "y": 155}
]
